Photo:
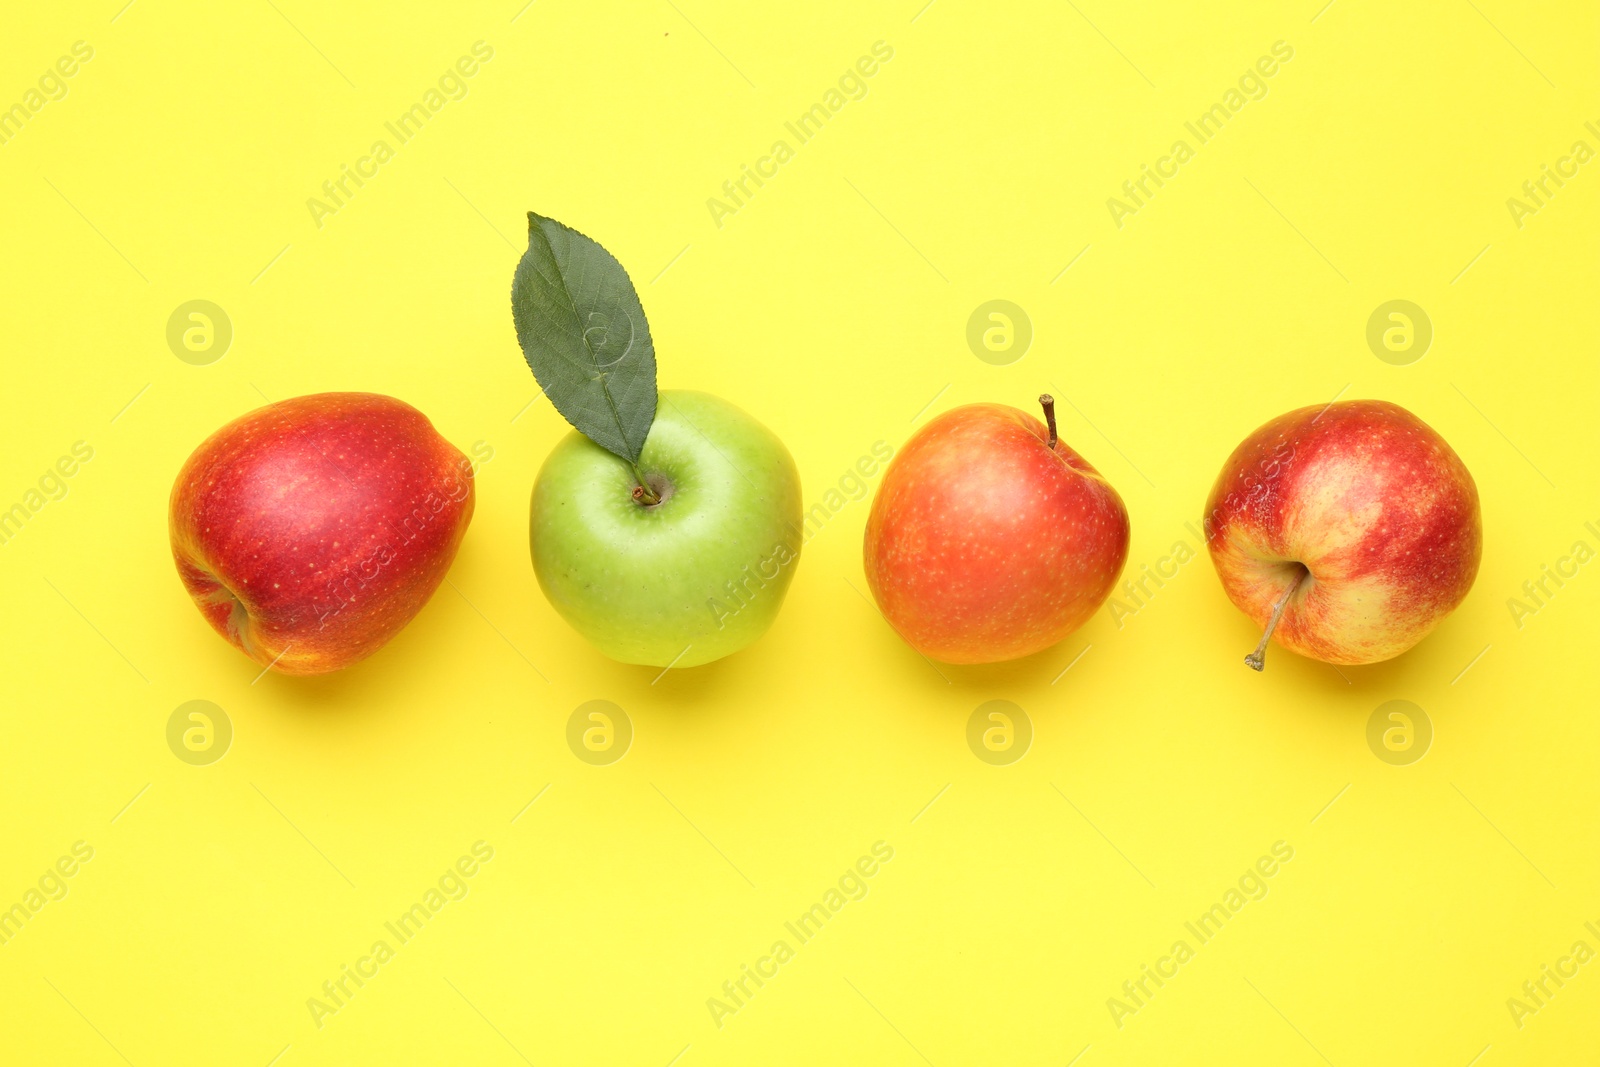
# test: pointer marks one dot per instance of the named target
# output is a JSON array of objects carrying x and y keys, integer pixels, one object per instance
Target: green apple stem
[
  {"x": 1048, "y": 402},
  {"x": 1257, "y": 660},
  {"x": 642, "y": 492}
]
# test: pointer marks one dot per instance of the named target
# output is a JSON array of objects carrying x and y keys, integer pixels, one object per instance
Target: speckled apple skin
[
  {"x": 1370, "y": 500},
  {"x": 984, "y": 545},
  {"x": 310, "y": 531}
]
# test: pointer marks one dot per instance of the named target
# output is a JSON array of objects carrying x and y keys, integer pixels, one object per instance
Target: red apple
[
  {"x": 989, "y": 539},
  {"x": 310, "y": 531},
  {"x": 1346, "y": 531}
]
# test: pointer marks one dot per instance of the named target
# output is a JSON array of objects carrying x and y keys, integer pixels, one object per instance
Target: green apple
[{"x": 689, "y": 579}]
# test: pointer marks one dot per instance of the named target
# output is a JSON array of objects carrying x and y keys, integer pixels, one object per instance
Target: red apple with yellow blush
[
  {"x": 1346, "y": 531},
  {"x": 310, "y": 531},
  {"x": 989, "y": 538}
]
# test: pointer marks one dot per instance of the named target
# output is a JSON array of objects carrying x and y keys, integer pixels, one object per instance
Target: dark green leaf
[{"x": 583, "y": 332}]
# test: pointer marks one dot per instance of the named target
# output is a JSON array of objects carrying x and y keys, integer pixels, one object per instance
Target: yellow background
[{"x": 833, "y": 306}]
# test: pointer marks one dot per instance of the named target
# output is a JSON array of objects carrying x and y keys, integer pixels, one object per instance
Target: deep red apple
[
  {"x": 1346, "y": 531},
  {"x": 310, "y": 531},
  {"x": 990, "y": 539}
]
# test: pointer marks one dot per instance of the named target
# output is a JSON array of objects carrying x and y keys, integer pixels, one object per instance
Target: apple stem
[
  {"x": 1257, "y": 660},
  {"x": 1048, "y": 402},
  {"x": 642, "y": 492}
]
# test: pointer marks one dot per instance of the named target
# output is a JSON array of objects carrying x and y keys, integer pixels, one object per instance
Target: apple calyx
[
  {"x": 1048, "y": 402},
  {"x": 1257, "y": 660}
]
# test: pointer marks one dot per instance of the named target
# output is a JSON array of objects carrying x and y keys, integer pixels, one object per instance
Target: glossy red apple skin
[
  {"x": 310, "y": 531},
  {"x": 1370, "y": 500},
  {"x": 984, "y": 544}
]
